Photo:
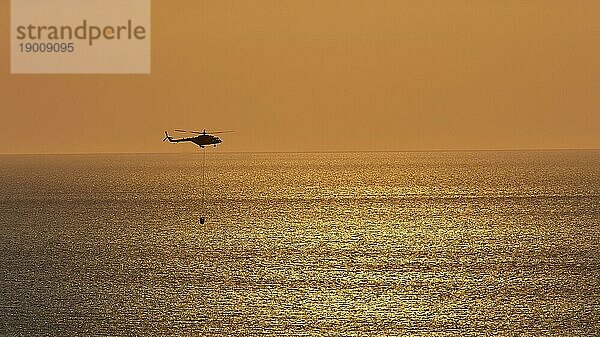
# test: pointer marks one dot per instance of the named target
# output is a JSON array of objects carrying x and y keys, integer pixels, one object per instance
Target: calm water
[{"x": 355, "y": 244}]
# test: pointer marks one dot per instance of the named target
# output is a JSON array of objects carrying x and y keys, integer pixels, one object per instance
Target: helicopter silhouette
[{"x": 202, "y": 139}]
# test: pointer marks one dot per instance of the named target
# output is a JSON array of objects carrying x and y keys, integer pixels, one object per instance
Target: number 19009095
[{"x": 47, "y": 47}]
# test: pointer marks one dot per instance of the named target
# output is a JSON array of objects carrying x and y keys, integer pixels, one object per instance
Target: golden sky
[{"x": 329, "y": 76}]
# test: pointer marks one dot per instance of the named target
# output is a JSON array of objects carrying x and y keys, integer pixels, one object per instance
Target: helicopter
[{"x": 202, "y": 139}]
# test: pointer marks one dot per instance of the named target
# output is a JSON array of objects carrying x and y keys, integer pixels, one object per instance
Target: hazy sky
[{"x": 329, "y": 75}]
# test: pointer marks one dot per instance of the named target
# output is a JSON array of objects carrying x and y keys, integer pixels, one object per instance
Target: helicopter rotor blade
[
  {"x": 215, "y": 132},
  {"x": 186, "y": 131},
  {"x": 203, "y": 132}
]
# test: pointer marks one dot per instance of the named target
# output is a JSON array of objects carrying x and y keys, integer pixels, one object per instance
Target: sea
[{"x": 483, "y": 243}]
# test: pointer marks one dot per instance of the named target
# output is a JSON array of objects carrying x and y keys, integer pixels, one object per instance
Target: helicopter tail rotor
[{"x": 167, "y": 137}]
